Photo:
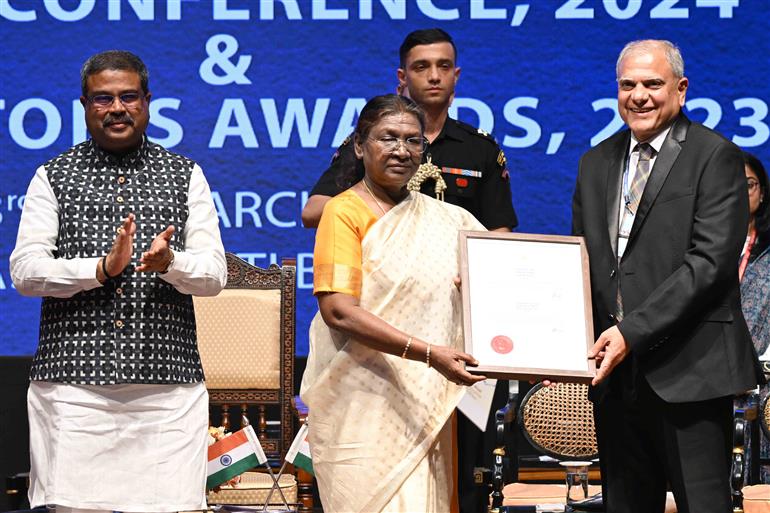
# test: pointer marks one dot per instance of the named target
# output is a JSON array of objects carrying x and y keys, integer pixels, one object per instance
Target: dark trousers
[
  {"x": 646, "y": 443},
  {"x": 474, "y": 449}
]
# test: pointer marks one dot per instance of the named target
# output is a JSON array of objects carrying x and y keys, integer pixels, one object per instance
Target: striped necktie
[
  {"x": 640, "y": 178},
  {"x": 633, "y": 197}
]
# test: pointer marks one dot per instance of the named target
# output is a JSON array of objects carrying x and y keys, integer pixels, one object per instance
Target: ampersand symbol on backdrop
[{"x": 221, "y": 59}]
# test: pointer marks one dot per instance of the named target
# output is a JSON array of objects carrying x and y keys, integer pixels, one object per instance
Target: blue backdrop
[{"x": 260, "y": 93}]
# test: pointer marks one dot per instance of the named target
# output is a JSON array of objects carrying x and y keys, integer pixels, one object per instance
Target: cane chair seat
[
  {"x": 559, "y": 421},
  {"x": 254, "y": 489}
]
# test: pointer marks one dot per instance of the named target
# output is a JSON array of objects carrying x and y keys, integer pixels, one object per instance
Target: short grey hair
[{"x": 673, "y": 54}]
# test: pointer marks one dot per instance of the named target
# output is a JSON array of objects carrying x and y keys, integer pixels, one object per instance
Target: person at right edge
[
  {"x": 476, "y": 174},
  {"x": 663, "y": 209},
  {"x": 754, "y": 274}
]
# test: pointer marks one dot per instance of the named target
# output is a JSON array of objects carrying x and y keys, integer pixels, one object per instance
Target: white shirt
[
  {"x": 628, "y": 179},
  {"x": 199, "y": 270}
]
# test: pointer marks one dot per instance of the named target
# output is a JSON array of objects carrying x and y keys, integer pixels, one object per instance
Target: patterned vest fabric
[{"x": 136, "y": 328}]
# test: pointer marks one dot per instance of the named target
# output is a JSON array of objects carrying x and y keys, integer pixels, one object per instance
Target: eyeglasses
[
  {"x": 414, "y": 145},
  {"x": 105, "y": 100},
  {"x": 753, "y": 184}
]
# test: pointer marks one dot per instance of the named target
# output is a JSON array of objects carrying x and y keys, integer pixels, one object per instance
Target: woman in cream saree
[{"x": 379, "y": 410}]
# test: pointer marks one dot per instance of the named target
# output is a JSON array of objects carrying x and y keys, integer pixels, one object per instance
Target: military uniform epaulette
[
  {"x": 477, "y": 131},
  {"x": 501, "y": 160}
]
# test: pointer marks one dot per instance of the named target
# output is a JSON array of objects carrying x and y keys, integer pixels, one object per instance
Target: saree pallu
[{"x": 379, "y": 435}]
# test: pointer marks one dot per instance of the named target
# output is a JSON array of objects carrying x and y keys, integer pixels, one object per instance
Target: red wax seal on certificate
[{"x": 502, "y": 344}]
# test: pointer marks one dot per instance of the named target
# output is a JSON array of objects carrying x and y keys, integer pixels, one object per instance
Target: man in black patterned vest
[{"x": 116, "y": 235}]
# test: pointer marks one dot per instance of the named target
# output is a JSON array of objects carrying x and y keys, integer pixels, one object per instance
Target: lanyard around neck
[{"x": 746, "y": 255}]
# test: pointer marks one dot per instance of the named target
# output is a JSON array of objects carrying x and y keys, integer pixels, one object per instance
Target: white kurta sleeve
[
  {"x": 200, "y": 269},
  {"x": 35, "y": 270}
]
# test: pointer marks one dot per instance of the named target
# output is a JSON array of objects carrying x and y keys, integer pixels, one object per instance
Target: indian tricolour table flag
[
  {"x": 299, "y": 452},
  {"x": 232, "y": 456}
]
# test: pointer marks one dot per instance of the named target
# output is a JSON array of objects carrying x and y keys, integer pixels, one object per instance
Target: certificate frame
[{"x": 485, "y": 295}]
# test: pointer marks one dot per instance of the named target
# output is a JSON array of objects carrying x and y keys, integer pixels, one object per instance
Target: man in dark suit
[{"x": 663, "y": 209}]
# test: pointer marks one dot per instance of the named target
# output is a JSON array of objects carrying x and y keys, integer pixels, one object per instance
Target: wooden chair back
[{"x": 246, "y": 341}]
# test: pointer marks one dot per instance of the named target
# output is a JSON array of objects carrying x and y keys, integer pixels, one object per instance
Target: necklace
[{"x": 366, "y": 186}]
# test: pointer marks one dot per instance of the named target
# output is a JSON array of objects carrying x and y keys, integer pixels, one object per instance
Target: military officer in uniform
[
  {"x": 472, "y": 164},
  {"x": 476, "y": 175}
]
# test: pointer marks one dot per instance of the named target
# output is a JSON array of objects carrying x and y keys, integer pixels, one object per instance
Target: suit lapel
[
  {"x": 615, "y": 170},
  {"x": 663, "y": 164}
]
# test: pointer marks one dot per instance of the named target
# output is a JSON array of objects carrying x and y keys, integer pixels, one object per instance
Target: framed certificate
[{"x": 527, "y": 305}]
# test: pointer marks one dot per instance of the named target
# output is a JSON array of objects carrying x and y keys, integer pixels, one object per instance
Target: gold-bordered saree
[{"x": 379, "y": 431}]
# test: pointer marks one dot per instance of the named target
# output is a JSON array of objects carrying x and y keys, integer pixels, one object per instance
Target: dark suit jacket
[{"x": 678, "y": 276}]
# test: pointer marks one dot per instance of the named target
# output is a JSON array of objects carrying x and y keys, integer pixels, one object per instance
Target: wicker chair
[
  {"x": 246, "y": 341},
  {"x": 558, "y": 421}
]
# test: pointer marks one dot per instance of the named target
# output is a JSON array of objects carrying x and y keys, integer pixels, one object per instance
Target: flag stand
[
  {"x": 294, "y": 455},
  {"x": 237, "y": 453},
  {"x": 276, "y": 486}
]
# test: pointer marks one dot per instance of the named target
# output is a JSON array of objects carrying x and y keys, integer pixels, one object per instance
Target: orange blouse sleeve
[{"x": 337, "y": 254}]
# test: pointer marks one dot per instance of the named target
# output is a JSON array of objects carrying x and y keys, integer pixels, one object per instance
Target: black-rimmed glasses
[
  {"x": 753, "y": 184},
  {"x": 105, "y": 100}
]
